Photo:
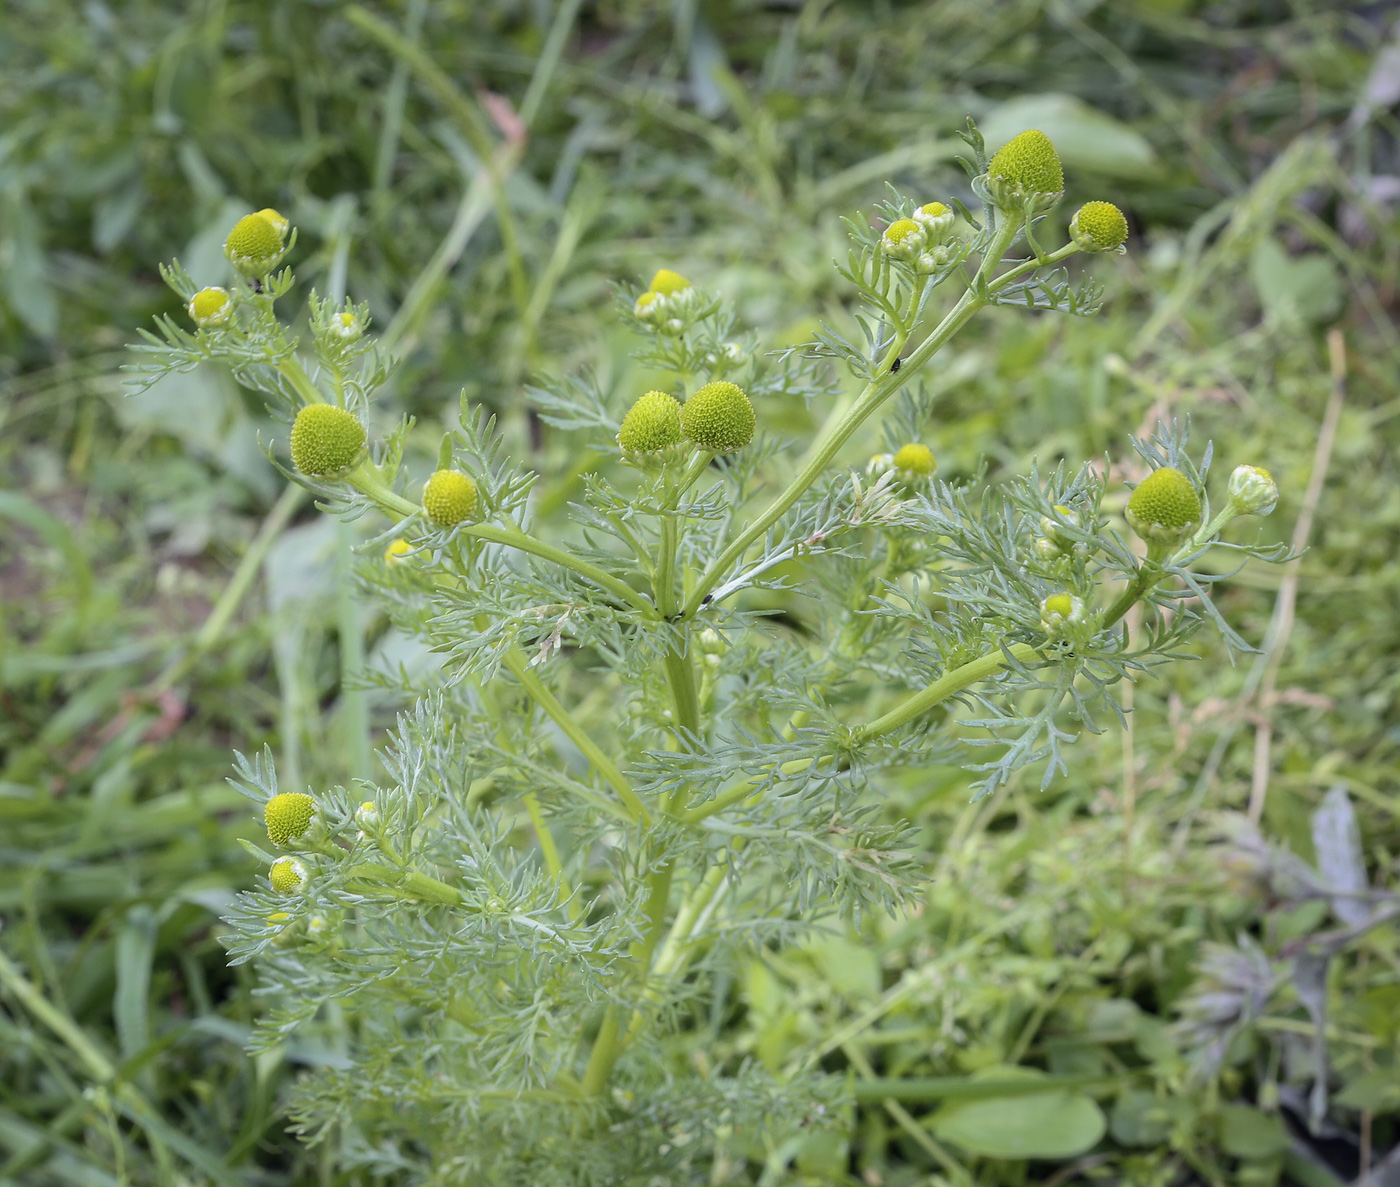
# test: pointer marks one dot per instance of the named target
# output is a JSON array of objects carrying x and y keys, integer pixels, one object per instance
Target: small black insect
[
  {"x": 707, "y": 599},
  {"x": 896, "y": 365}
]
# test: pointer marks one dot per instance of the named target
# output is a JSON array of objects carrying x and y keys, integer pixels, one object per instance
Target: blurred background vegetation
[{"x": 1205, "y": 1004}]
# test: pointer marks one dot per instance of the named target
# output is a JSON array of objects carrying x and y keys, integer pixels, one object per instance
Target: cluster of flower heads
[
  {"x": 293, "y": 821},
  {"x": 1024, "y": 177},
  {"x": 926, "y": 241},
  {"x": 717, "y": 418},
  {"x": 327, "y": 441},
  {"x": 667, "y": 301}
]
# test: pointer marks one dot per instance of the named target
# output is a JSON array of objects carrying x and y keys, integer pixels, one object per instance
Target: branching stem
[{"x": 836, "y": 433}]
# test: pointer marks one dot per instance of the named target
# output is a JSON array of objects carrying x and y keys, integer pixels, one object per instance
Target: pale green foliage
[{"x": 527, "y": 1012}]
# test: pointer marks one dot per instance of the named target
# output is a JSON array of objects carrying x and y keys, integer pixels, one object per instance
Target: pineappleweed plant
[{"x": 527, "y": 927}]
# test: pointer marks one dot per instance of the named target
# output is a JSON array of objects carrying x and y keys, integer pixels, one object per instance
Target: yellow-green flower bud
[
  {"x": 879, "y": 463},
  {"x": 1054, "y": 528},
  {"x": 1060, "y": 610},
  {"x": 211, "y": 307},
  {"x": 254, "y": 245},
  {"x": 287, "y": 875},
  {"x": 1027, "y": 164},
  {"x": 903, "y": 238},
  {"x": 346, "y": 326},
  {"x": 1252, "y": 491},
  {"x": 397, "y": 550},
  {"x": 326, "y": 439},
  {"x": 653, "y": 423},
  {"x": 666, "y": 282},
  {"x": 649, "y": 306},
  {"x": 1164, "y": 506},
  {"x": 1098, "y": 226},
  {"x": 449, "y": 498},
  {"x": 288, "y": 816},
  {"x": 277, "y": 221},
  {"x": 367, "y": 815},
  {"x": 719, "y": 418},
  {"x": 283, "y": 927},
  {"x": 935, "y": 218},
  {"x": 915, "y": 460}
]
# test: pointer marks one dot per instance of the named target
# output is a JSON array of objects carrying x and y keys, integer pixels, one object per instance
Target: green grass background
[{"x": 162, "y": 601}]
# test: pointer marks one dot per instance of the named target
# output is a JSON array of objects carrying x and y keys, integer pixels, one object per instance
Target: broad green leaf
[
  {"x": 1375, "y": 1091},
  {"x": 1141, "y": 1119},
  {"x": 1306, "y": 288},
  {"x": 1051, "y": 1124},
  {"x": 1245, "y": 1132}
]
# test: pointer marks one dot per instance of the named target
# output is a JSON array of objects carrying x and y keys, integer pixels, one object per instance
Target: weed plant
[
  {"x": 1061, "y": 930},
  {"x": 536, "y": 1012}
]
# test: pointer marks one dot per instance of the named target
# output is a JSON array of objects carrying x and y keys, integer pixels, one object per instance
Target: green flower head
[
  {"x": 903, "y": 238},
  {"x": 277, "y": 221},
  {"x": 211, "y": 307},
  {"x": 915, "y": 459},
  {"x": 288, "y": 816},
  {"x": 1164, "y": 506},
  {"x": 254, "y": 245},
  {"x": 449, "y": 498},
  {"x": 719, "y": 418},
  {"x": 1059, "y": 611},
  {"x": 1028, "y": 164},
  {"x": 287, "y": 876},
  {"x": 1098, "y": 226},
  {"x": 653, "y": 423},
  {"x": 326, "y": 440},
  {"x": 666, "y": 282}
]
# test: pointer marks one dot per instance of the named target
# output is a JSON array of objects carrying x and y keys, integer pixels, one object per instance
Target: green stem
[
  {"x": 576, "y": 734},
  {"x": 350, "y": 625},
  {"x": 941, "y": 689},
  {"x": 1025, "y": 266},
  {"x": 416, "y": 885},
  {"x": 365, "y": 478},
  {"x": 550, "y": 851},
  {"x": 604, "y": 1054},
  {"x": 836, "y": 433},
  {"x": 296, "y": 375},
  {"x": 1147, "y": 576},
  {"x": 608, "y": 1044}
]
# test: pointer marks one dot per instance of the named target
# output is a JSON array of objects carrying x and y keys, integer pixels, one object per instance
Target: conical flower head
[
  {"x": 288, "y": 816},
  {"x": 653, "y": 423},
  {"x": 719, "y": 418},
  {"x": 277, "y": 220},
  {"x": 325, "y": 440},
  {"x": 254, "y": 245},
  {"x": 915, "y": 458},
  {"x": 1098, "y": 226},
  {"x": 449, "y": 498},
  {"x": 286, "y": 875},
  {"x": 667, "y": 282},
  {"x": 1028, "y": 164},
  {"x": 1164, "y": 506}
]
